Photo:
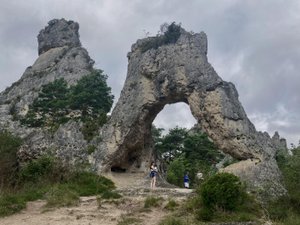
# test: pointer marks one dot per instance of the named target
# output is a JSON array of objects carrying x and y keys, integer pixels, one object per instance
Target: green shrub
[
  {"x": 176, "y": 170},
  {"x": 171, "y": 205},
  {"x": 37, "y": 169},
  {"x": 151, "y": 201},
  {"x": 87, "y": 184},
  {"x": 222, "y": 191},
  {"x": 170, "y": 36},
  {"x": 10, "y": 204}
]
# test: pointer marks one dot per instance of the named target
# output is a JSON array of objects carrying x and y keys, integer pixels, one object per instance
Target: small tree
[
  {"x": 222, "y": 191},
  {"x": 171, "y": 145},
  {"x": 91, "y": 94},
  {"x": 176, "y": 171}
]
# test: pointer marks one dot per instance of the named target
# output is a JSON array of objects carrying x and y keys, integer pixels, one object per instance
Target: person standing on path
[
  {"x": 153, "y": 174},
  {"x": 186, "y": 180}
]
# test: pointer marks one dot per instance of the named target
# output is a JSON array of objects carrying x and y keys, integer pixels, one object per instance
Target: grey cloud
[{"x": 252, "y": 43}]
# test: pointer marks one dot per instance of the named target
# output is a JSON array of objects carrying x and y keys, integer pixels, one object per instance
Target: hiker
[
  {"x": 153, "y": 174},
  {"x": 186, "y": 180}
]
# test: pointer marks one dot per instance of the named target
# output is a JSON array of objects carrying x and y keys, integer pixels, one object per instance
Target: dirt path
[{"x": 129, "y": 208}]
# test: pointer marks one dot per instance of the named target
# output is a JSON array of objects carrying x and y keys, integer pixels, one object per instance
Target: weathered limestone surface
[
  {"x": 59, "y": 33},
  {"x": 60, "y": 56},
  {"x": 180, "y": 72}
]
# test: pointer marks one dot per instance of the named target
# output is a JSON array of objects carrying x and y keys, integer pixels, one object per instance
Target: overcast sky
[{"x": 253, "y": 43}]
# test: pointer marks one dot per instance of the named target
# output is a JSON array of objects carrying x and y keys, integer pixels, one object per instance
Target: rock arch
[
  {"x": 180, "y": 72},
  {"x": 170, "y": 73}
]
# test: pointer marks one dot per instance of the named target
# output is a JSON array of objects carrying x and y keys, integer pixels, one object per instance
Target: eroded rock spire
[{"x": 58, "y": 33}]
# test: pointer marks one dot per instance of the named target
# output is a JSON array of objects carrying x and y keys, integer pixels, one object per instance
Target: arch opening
[{"x": 172, "y": 115}]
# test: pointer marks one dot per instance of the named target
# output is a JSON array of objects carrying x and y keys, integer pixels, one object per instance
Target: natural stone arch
[
  {"x": 168, "y": 74},
  {"x": 173, "y": 73}
]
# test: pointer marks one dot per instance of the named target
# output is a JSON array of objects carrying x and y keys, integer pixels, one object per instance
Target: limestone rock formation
[
  {"x": 60, "y": 56},
  {"x": 161, "y": 74},
  {"x": 180, "y": 72},
  {"x": 59, "y": 33}
]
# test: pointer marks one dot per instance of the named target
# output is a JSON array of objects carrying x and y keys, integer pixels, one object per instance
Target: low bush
[
  {"x": 151, "y": 201},
  {"x": 86, "y": 183},
  {"x": 170, "y": 36},
  {"x": 171, "y": 205},
  {"x": 222, "y": 191},
  {"x": 10, "y": 204},
  {"x": 37, "y": 169}
]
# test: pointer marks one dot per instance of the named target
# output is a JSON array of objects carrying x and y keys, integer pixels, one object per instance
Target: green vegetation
[
  {"x": 286, "y": 210},
  {"x": 47, "y": 178},
  {"x": 129, "y": 220},
  {"x": 222, "y": 198},
  {"x": 89, "y": 101},
  {"x": 152, "y": 201},
  {"x": 10, "y": 204},
  {"x": 172, "y": 221},
  {"x": 185, "y": 152},
  {"x": 38, "y": 170},
  {"x": 61, "y": 195},
  {"x": 9, "y": 145},
  {"x": 91, "y": 149},
  {"x": 222, "y": 191},
  {"x": 170, "y": 36},
  {"x": 171, "y": 205}
]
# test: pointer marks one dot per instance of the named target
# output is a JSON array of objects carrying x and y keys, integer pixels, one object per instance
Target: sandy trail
[{"x": 134, "y": 188}]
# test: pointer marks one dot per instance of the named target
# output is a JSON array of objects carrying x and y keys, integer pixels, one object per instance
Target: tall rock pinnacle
[{"x": 58, "y": 33}]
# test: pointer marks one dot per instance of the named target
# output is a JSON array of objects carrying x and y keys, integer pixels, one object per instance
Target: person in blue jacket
[{"x": 186, "y": 180}]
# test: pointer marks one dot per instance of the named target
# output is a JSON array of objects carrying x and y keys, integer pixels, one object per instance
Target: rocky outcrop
[
  {"x": 60, "y": 56},
  {"x": 167, "y": 73},
  {"x": 59, "y": 33},
  {"x": 180, "y": 72}
]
